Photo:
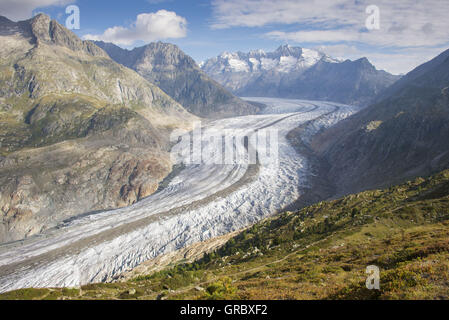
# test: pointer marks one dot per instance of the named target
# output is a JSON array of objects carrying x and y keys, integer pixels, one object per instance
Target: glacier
[{"x": 201, "y": 202}]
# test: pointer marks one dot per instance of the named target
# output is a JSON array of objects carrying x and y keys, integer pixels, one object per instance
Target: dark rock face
[
  {"x": 291, "y": 72},
  {"x": 404, "y": 135},
  {"x": 78, "y": 131},
  {"x": 178, "y": 75},
  {"x": 350, "y": 82}
]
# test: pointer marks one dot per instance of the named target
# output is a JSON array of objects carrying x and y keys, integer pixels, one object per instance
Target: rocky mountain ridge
[
  {"x": 293, "y": 72},
  {"x": 78, "y": 132},
  {"x": 284, "y": 59},
  {"x": 176, "y": 73}
]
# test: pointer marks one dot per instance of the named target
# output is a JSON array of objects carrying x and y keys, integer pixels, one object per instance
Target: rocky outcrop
[
  {"x": 178, "y": 75},
  {"x": 44, "y": 186},
  {"x": 79, "y": 132},
  {"x": 47, "y": 31}
]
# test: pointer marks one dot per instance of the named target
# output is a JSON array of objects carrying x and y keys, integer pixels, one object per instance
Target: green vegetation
[
  {"x": 57, "y": 118},
  {"x": 319, "y": 252},
  {"x": 221, "y": 290},
  {"x": 25, "y": 294}
]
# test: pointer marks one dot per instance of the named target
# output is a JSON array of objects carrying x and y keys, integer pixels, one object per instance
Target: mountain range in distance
[
  {"x": 96, "y": 121},
  {"x": 289, "y": 72},
  {"x": 176, "y": 73},
  {"x": 84, "y": 128},
  {"x": 294, "y": 72}
]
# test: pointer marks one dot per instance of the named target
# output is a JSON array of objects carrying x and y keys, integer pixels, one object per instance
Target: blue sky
[
  {"x": 409, "y": 32},
  {"x": 201, "y": 41}
]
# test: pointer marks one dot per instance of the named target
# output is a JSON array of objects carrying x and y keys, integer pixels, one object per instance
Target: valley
[
  {"x": 139, "y": 162},
  {"x": 201, "y": 202}
]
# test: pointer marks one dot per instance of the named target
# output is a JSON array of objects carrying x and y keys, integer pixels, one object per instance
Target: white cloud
[
  {"x": 414, "y": 37},
  {"x": 315, "y": 36},
  {"x": 406, "y": 26},
  {"x": 147, "y": 27},
  {"x": 23, "y": 9},
  {"x": 158, "y": 1},
  {"x": 402, "y": 22},
  {"x": 257, "y": 13}
]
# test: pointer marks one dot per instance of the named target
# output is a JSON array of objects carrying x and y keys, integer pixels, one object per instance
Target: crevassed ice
[{"x": 271, "y": 190}]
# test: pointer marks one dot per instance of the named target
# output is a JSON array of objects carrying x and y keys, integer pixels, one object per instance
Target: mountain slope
[
  {"x": 401, "y": 136},
  {"x": 179, "y": 76},
  {"x": 319, "y": 252},
  {"x": 291, "y": 72},
  {"x": 78, "y": 131},
  {"x": 433, "y": 73}
]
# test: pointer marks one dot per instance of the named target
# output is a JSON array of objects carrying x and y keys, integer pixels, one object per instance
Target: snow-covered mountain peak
[
  {"x": 284, "y": 59},
  {"x": 329, "y": 59},
  {"x": 297, "y": 72},
  {"x": 287, "y": 50}
]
